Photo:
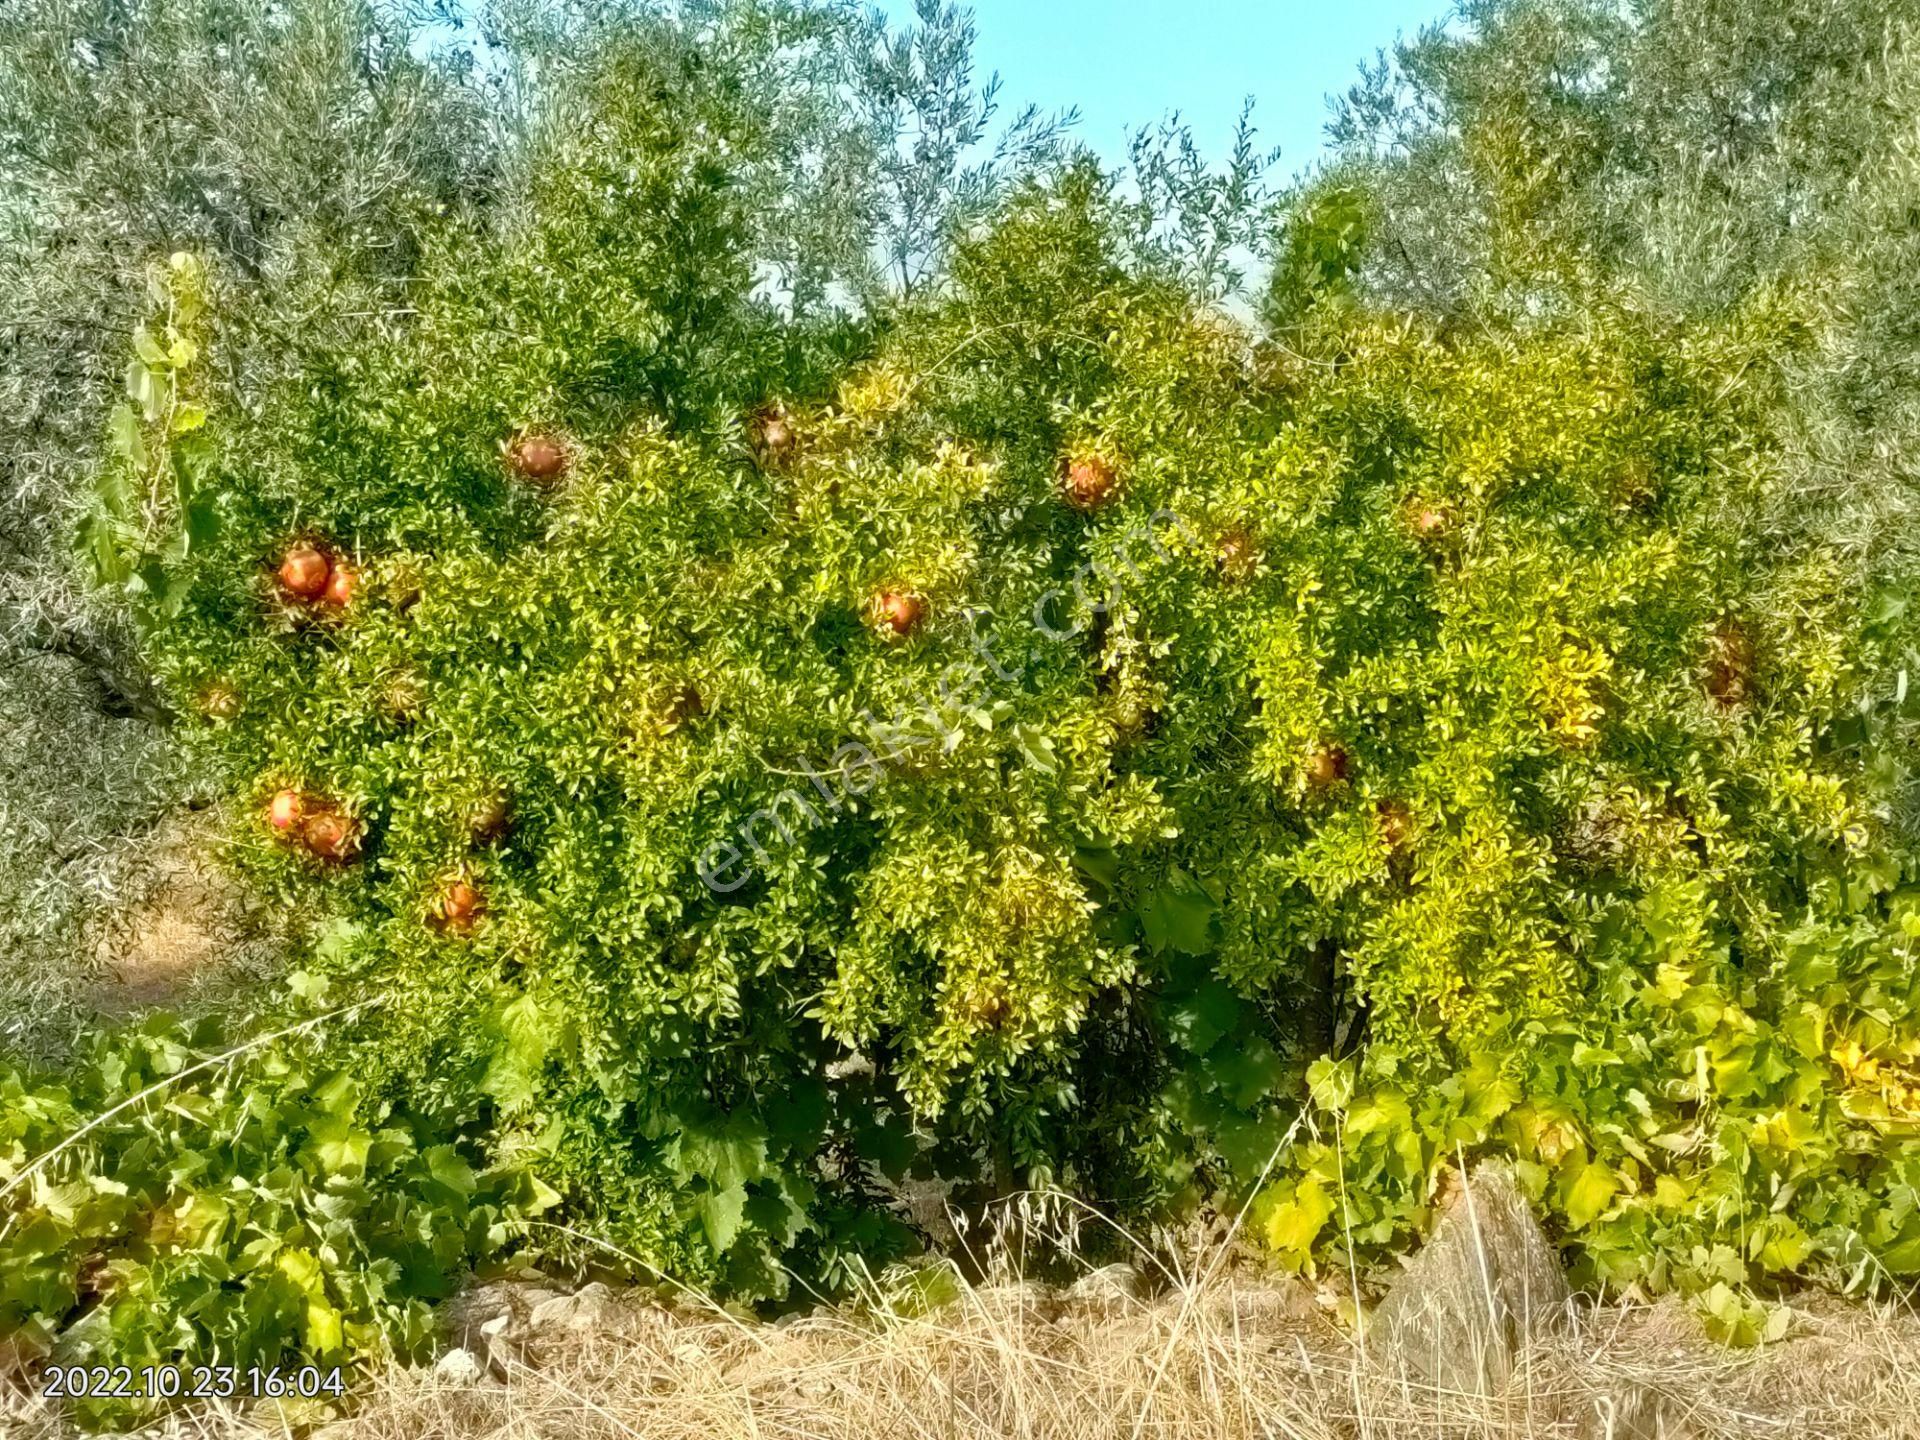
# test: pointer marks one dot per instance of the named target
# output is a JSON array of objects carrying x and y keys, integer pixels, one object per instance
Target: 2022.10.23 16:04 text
[{"x": 197, "y": 1382}]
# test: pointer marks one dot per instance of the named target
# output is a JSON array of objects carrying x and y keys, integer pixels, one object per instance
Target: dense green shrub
[{"x": 1406, "y": 676}]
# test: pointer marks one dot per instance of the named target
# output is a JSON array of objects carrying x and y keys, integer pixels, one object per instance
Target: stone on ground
[{"x": 1478, "y": 1291}]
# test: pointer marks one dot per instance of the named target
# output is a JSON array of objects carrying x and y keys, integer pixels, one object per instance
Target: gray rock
[
  {"x": 478, "y": 1305},
  {"x": 459, "y": 1367},
  {"x": 592, "y": 1308},
  {"x": 1110, "y": 1284},
  {"x": 1484, "y": 1285}
]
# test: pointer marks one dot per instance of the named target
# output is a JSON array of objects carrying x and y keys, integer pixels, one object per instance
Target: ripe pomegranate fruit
[
  {"x": 329, "y": 835},
  {"x": 286, "y": 810},
  {"x": 1429, "y": 522},
  {"x": 898, "y": 611},
  {"x": 1089, "y": 482},
  {"x": 304, "y": 571},
  {"x": 457, "y": 907},
  {"x": 538, "y": 457},
  {"x": 1327, "y": 766},
  {"x": 341, "y": 586}
]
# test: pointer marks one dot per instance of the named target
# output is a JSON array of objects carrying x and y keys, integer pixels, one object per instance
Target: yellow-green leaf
[{"x": 1589, "y": 1194}]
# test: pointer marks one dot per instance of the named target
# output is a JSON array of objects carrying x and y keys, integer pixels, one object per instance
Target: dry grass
[
  {"x": 1235, "y": 1361},
  {"x": 1220, "y": 1353}
]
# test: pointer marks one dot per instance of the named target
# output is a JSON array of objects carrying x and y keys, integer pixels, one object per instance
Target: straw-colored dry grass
[
  {"x": 1222, "y": 1353},
  {"x": 1230, "y": 1362}
]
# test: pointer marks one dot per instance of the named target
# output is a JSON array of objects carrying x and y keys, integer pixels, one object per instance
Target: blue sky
[{"x": 1126, "y": 63}]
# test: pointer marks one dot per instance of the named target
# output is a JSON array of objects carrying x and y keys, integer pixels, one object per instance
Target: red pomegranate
[
  {"x": 457, "y": 907},
  {"x": 1090, "y": 482},
  {"x": 304, "y": 571},
  {"x": 329, "y": 835},
  {"x": 341, "y": 586},
  {"x": 286, "y": 810},
  {"x": 538, "y": 457},
  {"x": 898, "y": 611},
  {"x": 1429, "y": 522}
]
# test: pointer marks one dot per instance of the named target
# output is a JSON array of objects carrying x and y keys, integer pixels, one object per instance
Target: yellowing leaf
[
  {"x": 1293, "y": 1225},
  {"x": 1590, "y": 1193},
  {"x": 323, "y": 1327},
  {"x": 1787, "y": 1245}
]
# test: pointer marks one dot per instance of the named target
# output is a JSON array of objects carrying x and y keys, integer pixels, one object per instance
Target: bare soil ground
[{"x": 190, "y": 925}]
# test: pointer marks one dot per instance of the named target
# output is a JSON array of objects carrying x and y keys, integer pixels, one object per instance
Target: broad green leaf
[
  {"x": 1179, "y": 916},
  {"x": 721, "y": 1212},
  {"x": 1248, "y": 1071},
  {"x": 727, "y": 1152},
  {"x": 99, "y": 544},
  {"x": 200, "y": 523},
  {"x": 123, "y": 436},
  {"x": 513, "y": 1074},
  {"x": 1102, "y": 863},
  {"x": 323, "y": 1332},
  {"x": 1249, "y": 1145},
  {"x": 1196, "y": 1022}
]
